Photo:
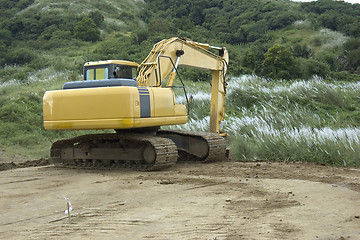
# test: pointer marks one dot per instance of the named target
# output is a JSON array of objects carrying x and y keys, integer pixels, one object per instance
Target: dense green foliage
[
  {"x": 251, "y": 28},
  {"x": 248, "y": 28},
  {"x": 45, "y": 43},
  {"x": 335, "y": 15}
]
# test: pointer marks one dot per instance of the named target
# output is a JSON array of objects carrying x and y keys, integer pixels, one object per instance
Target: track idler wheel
[{"x": 149, "y": 154}]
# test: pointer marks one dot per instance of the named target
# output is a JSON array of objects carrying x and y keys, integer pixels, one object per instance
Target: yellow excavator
[{"x": 136, "y": 100}]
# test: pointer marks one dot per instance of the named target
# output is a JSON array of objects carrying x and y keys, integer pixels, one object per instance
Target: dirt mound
[
  {"x": 28, "y": 163},
  {"x": 7, "y": 166}
]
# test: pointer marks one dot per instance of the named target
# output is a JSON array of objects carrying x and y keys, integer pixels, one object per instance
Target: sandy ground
[{"x": 227, "y": 200}]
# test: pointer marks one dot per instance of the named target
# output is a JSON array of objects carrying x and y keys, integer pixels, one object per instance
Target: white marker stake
[{"x": 69, "y": 208}]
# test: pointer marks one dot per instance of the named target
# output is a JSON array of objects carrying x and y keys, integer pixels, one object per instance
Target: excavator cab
[
  {"x": 110, "y": 69},
  {"x": 108, "y": 73}
]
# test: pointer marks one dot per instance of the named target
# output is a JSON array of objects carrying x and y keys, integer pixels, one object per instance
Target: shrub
[
  {"x": 159, "y": 25},
  {"x": 306, "y": 68},
  {"x": 97, "y": 17},
  {"x": 137, "y": 37},
  {"x": 279, "y": 63},
  {"x": 301, "y": 50},
  {"x": 20, "y": 56},
  {"x": 344, "y": 76},
  {"x": 86, "y": 30}
]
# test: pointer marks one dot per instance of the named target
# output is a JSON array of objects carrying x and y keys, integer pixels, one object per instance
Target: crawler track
[
  {"x": 111, "y": 151},
  {"x": 197, "y": 146},
  {"x": 138, "y": 151}
]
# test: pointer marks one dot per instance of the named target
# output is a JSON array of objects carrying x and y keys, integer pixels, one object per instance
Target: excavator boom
[{"x": 168, "y": 54}]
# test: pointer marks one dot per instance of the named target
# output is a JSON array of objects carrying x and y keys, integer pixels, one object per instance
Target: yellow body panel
[{"x": 111, "y": 108}]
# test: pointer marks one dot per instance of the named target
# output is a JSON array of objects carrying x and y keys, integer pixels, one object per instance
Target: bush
[
  {"x": 61, "y": 35},
  {"x": 279, "y": 63},
  {"x": 97, "y": 17},
  {"x": 137, "y": 37},
  {"x": 306, "y": 68},
  {"x": 344, "y": 76},
  {"x": 86, "y": 30},
  {"x": 301, "y": 50},
  {"x": 159, "y": 25},
  {"x": 20, "y": 56},
  {"x": 110, "y": 49}
]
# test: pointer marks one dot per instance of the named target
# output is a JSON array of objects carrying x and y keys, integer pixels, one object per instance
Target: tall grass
[{"x": 306, "y": 120}]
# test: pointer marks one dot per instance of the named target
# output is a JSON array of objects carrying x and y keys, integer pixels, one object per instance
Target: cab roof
[{"x": 121, "y": 62}]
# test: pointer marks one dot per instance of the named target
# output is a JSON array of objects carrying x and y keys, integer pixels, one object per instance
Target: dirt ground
[{"x": 227, "y": 200}]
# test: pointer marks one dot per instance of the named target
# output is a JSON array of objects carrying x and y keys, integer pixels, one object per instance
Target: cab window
[
  {"x": 121, "y": 71},
  {"x": 97, "y": 73}
]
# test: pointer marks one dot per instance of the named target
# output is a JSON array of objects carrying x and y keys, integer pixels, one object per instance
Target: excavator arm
[{"x": 168, "y": 54}]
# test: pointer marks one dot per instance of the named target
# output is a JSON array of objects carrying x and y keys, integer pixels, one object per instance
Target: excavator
[{"x": 135, "y": 101}]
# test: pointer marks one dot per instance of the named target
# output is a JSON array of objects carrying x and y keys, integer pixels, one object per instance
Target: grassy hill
[{"x": 44, "y": 44}]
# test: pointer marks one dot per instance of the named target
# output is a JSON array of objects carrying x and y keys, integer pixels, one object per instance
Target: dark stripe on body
[{"x": 144, "y": 96}]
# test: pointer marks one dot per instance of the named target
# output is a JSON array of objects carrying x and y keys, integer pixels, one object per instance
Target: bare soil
[{"x": 227, "y": 200}]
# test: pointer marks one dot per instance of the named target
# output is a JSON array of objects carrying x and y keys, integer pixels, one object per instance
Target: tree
[
  {"x": 158, "y": 25},
  {"x": 5, "y": 36},
  {"x": 279, "y": 63},
  {"x": 253, "y": 58},
  {"x": 86, "y": 30},
  {"x": 350, "y": 59},
  {"x": 282, "y": 19},
  {"x": 330, "y": 20},
  {"x": 97, "y": 17},
  {"x": 138, "y": 36},
  {"x": 196, "y": 13},
  {"x": 301, "y": 50},
  {"x": 2, "y": 52}
]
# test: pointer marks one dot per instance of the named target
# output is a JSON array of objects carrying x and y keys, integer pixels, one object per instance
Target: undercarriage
[{"x": 147, "y": 152}]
